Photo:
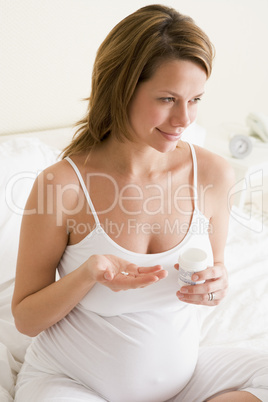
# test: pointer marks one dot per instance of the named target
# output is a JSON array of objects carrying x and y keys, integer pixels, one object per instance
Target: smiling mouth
[{"x": 169, "y": 136}]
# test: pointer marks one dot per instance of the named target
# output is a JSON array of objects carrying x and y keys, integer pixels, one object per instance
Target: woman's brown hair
[{"x": 129, "y": 55}]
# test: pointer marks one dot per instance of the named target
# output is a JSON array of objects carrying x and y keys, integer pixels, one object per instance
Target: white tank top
[{"x": 138, "y": 345}]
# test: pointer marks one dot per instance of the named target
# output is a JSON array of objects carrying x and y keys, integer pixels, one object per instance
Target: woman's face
[{"x": 166, "y": 104}]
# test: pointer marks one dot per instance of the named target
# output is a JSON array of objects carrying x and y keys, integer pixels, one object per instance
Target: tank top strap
[
  {"x": 80, "y": 178},
  {"x": 195, "y": 174}
]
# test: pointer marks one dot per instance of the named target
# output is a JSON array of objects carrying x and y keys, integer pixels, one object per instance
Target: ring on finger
[{"x": 211, "y": 296}]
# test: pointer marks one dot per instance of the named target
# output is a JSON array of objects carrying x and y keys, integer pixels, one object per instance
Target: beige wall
[{"x": 47, "y": 48}]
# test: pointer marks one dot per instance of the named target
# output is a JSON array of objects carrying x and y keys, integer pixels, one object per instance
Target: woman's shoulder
[
  {"x": 216, "y": 179},
  {"x": 59, "y": 185},
  {"x": 62, "y": 172},
  {"x": 213, "y": 168}
]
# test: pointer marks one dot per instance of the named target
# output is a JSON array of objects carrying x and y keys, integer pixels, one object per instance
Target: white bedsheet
[
  {"x": 241, "y": 320},
  {"x": 12, "y": 344}
]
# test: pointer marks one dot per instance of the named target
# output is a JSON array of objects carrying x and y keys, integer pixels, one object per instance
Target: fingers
[
  {"x": 209, "y": 293},
  {"x": 152, "y": 269},
  {"x": 123, "y": 281},
  {"x": 202, "y": 298},
  {"x": 117, "y": 264},
  {"x": 139, "y": 282},
  {"x": 134, "y": 269},
  {"x": 155, "y": 270},
  {"x": 122, "y": 275},
  {"x": 211, "y": 273}
]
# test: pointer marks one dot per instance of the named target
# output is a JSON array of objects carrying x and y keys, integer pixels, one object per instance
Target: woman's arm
[
  {"x": 39, "y": 301},
  {"x": 216, "y": 173}
]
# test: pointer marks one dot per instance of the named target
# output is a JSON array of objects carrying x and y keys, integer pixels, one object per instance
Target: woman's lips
[{"x": 170, "y": 136}]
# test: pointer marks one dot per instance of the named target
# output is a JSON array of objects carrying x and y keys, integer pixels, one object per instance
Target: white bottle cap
[{"x": 193, "y": 259}]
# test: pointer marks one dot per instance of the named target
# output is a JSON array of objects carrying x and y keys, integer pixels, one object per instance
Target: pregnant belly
[{"x": 138, "y": 357}]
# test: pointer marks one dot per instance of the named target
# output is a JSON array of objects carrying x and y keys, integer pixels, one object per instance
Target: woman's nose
[{"x": 180, "y": 116}]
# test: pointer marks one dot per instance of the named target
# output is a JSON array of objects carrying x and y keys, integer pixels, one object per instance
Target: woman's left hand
[{"x": 209, "y": 293}]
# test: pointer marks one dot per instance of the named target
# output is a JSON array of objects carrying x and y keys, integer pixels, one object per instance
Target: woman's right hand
[{"x": 119, "y": 274}]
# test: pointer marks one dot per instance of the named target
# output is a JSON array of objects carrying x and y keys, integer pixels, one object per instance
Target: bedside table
[{"x": 249, "y": 171}]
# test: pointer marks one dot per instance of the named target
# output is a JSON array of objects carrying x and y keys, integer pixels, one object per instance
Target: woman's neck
[{"x": 131, "y": 159}]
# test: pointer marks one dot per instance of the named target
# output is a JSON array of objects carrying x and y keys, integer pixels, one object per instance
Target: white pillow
[{"x": 21, "y": 160}]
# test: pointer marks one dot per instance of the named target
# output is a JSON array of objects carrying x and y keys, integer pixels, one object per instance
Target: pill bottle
[{"x": 191, "y": 261}]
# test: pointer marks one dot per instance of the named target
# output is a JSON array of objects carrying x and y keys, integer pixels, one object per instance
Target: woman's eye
[
  {"x": 195, "y": 100},
  {"x": 168, "y": 99}
]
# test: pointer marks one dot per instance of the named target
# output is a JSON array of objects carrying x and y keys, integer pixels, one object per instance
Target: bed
[{"x": 240, "y": 320}]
